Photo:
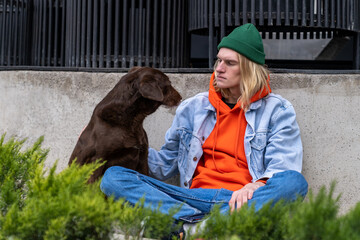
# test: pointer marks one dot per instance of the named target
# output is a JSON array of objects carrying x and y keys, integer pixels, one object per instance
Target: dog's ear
[{"x": 149, "y": 88}]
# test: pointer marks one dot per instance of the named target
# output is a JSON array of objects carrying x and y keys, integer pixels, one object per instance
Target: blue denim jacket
[{"x": 272, "y": 139}]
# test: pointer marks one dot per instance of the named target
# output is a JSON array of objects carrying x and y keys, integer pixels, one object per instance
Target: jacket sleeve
[
  {"x": 284, "y": 149},
  {"x": 163, "y": 164}
]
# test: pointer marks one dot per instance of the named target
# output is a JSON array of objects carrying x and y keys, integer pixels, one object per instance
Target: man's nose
[{"x": 220, "y": 67}]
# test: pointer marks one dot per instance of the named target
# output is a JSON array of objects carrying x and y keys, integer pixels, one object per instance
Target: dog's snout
[{"x": 172, "y": 97}]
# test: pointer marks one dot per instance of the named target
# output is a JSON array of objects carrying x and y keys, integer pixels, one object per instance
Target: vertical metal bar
[
  {"x": 27, "y": 21},
  {"x": 229, "y": 12},
  {"x": 95, "y": 34},
  {"x": 173, "y": 37},
  {"x": 16, "y": 28},
  {"x": 124, "y": 35},
  {"x": 102, "y": 34},
  {"x": 10, "y": 33},
  {"x": 270, "y": 21},
  {"x": 182, "y": 33},
  {"x": 245, "y": 19},
  {"x": 73, "y": 24},
  {"x": 83, "y": 33},
  {"x": 132, "y": 34},
  {"x": 338, "y": 14},
  {"x": 88, "y": 33},
  {"x": 162, "y": 34},
  {"x": 178, "y": 27},
  {"x": 278, "y": 13},
  {"x": 211, "y": 33},
  {"x": 34, "y": 35},
  {"x": 159, "y": 63},
  {"x": 78, "y": 32},
  {"x": 303, "y": 15},
  {"x": 356, "y": 56},
  {"x": 206, "y": 11},
  {"x": 108, "y": 35},
  {"x": 343, "y": 14},
  {"x": 21, "y": 33},
  {"x": 351, "y": 15},
  {"x": 147, "y": 37},
  {"x": 261, "y": 13},
  {"x": 35, "y": 13},
  {"x": 200, "y": 9},
  {"x": 296, "y": 11},
  {"x": 356, "y": 14},
  {"x": 216, "y": 16},
  {"x": 222, "y": 19},
  {"x": 332, "y": 25},
  {"x": 50, "y": 27},
  {"x": 116, "y": 34},
  {"x": 253, "y": 20},
  {"x": 62, "y": 51},
  {"x": 41, "y": 33},
  {"x": 67, "y": 21},
  {"x": 348, "y": 22},
  {"x": 319, "y": 8},
  {"x": 326, "y": 13},
  {"x": 191, "y": 14},
  {"x": 311, "y": 13},
  {"x": 3, "y": 27},
  {"x": 167, "y": 62},
  {"x": 139, "y": 60},
  {"x": 237, "y": 13}
]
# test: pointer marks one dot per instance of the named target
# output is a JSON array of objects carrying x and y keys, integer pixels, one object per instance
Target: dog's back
[{"x": 115, "y": 133}]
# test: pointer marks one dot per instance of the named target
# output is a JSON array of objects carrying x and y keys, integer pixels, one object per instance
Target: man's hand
[{"x": 240, "y": 197}]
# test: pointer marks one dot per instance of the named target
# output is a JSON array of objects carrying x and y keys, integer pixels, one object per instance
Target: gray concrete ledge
[{"x": 59, "y": 104}]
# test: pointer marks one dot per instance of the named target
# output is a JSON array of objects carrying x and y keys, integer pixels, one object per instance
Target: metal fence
[
  {"x": 316, "y": 18},
  {"x": 94, "y": 33},
  {"x": 14, "y": 30},
  {"x": 112, "y": 34}
]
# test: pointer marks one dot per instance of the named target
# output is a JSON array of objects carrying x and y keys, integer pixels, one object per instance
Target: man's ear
[{"x": 150, "y": 89}]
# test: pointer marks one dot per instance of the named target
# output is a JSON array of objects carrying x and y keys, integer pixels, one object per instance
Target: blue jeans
[{"x": 125, "y": 183}]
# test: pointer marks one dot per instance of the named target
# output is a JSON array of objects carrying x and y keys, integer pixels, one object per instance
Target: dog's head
[
  {"x": 141, "y": 91},
  {"x": 155, "y": 85}
]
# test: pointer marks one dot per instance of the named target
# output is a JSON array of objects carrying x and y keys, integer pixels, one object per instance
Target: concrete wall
[{"x": 59, "y": 104}]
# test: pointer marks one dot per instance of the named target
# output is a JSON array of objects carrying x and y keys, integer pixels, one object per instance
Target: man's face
[{"x": 228, "y": 70}]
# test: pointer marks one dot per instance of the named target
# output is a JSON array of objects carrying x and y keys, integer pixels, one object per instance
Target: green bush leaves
[
  {"x": 47, "y": 205},
  {"x": 40, "y": 204}
]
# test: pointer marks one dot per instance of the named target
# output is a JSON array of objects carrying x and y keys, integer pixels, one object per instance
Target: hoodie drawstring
[
  {"x": 216, "y": 133},
  {"x": 237, "y": 137}
]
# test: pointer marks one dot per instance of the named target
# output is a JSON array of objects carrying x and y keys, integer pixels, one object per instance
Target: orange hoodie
[{"x": 224, "y": 164}]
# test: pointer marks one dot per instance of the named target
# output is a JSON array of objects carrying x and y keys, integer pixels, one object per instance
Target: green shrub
[
  {"x": 16, "y": 169},
  {"x": 36, "y": 204},
  {"x": 316, "y": 219},
  {"x": 62, "y": 206}
]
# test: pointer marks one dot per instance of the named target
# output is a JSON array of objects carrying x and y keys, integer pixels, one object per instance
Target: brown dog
[{"x": 115, "y": 132}]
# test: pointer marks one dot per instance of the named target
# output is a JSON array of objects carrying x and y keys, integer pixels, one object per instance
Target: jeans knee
[
  {"x": 293, "y": 182},
  {"x": 108, "y": 181}
]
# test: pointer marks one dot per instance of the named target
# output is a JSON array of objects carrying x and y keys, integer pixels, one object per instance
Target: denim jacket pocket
[
  {"x": 259, "y": 141},
  {"x": 258, "y": 145}
]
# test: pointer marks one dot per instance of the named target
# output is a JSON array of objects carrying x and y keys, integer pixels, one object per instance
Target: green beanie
[{"x": 247, "y": 41}]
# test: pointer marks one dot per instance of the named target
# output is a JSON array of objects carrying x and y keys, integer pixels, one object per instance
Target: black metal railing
[
  {"x": 329, "y": 14},
  {"x": 113, "y": 34},
  {"x": 94, "y": 33},
  {"x": 14, "y": 32},
  {"x": 320, "y": 18}
]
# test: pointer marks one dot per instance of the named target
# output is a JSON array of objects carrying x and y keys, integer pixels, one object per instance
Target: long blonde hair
[{"x": 254, "y": 77}]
